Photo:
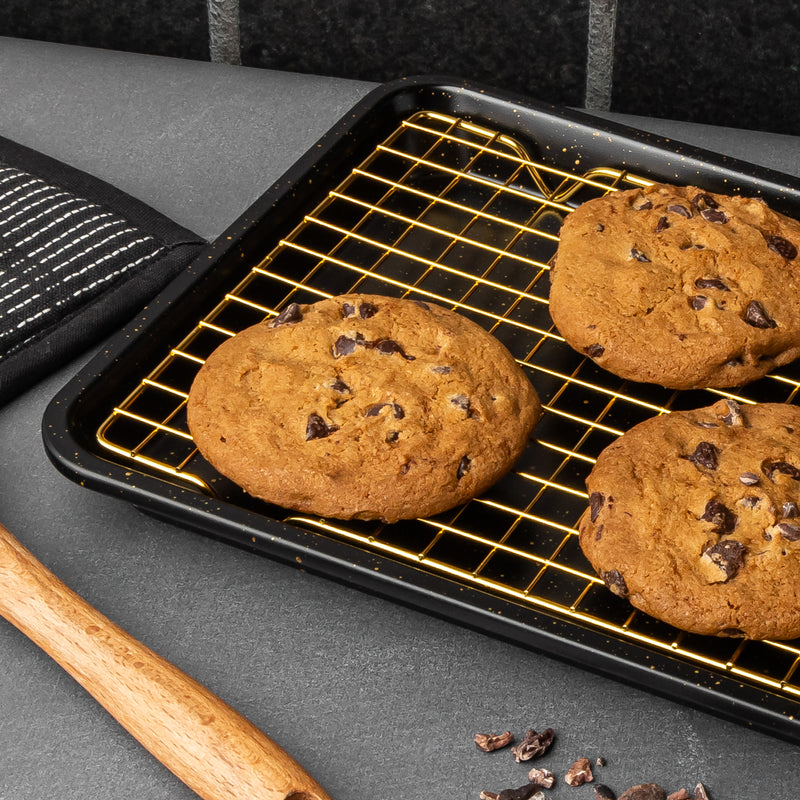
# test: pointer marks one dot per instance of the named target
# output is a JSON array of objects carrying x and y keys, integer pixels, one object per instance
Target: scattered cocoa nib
[
  {"x": 698, "y": 302},
  {"x": 542, "y": 777},
  {"x": 340, "y": 387},
  {"x": 638, "y": 255},
  {"x": 579, "y": 773},
  {"x": 601, "y": 762},
  {"x": 317, "y": 428},
  {"x": 489, "y": 742},
  {"x": 525, "y": 792},
  {"x": 615, "y": 582},
  {"x": 662, "y": 224},
  {"x": 783, "y": 247},
  {"x": 602, "y": 792},
  {"x": 533, "y": 744},
  {"x": 644, "y": 791},
  {"x": 705, "y": 456},
  {"x": 749, "y": 478},
  {"x": 596, "y": 502},
  {"x": 756, "y": 316},
  {"x": 289, "y": 314},
  {"x": 348, "y": 310},
  {"x": 463, "y": 467}
]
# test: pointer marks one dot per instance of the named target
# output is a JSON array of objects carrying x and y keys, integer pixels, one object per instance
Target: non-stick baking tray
[{"x": 445, "y": 192}]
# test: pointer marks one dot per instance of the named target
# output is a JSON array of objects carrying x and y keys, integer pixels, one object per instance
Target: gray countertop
[{"x": 375, "y": 699}]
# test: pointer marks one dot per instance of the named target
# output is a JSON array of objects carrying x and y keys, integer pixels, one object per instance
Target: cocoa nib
[
  {"x": 317, "y": 428},
  {"x": 722, "y": 518},
  {"x": 756, "y": 316},
  {"x": 638, "y": 255},
  {"x": 602, "y": 792},
  {"x": 542, "y": 777},
  {"x": 463, "y": 467},
  {"x": 783, "y": 247},
  {"x": 493, "y": 741},
  {"x": 522, "y": 793},
  {"x": 533, "y": 744},
  {"x": 705, "y": 456},
  {"x": 644, "y": 791},
  {"x": 615, "y": 582},
  {"x": 579, "y": 773},
  {"x": 291, "y": 313},
  {"x": 728, "y": 555}
]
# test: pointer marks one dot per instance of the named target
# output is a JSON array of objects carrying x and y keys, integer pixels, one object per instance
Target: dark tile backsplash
[{"x": 725, "y": 62}]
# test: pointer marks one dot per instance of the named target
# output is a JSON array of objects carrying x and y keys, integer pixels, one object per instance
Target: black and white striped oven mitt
[{"x": 78, "y": 258}]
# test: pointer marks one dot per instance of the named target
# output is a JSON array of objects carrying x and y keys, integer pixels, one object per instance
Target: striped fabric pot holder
[{"x": 78, "y": 258}]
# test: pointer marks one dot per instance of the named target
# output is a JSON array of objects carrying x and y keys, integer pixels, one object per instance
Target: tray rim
[{"x": 394, "y": 580}]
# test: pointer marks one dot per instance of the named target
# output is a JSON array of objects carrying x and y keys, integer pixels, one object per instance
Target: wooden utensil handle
[{"x": 201, "y": 739}]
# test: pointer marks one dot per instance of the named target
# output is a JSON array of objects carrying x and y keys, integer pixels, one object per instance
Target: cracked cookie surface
[
  {"x": 678, "y": 286},
  {"x": 694, "y": 517},
  {"x": 363, "y": 406}
]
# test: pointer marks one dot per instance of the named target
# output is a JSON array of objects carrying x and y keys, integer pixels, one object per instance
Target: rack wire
[{"x": 455, "y": 213}]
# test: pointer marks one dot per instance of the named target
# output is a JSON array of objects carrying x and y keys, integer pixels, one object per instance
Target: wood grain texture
[{"x": 207, "y": 744}]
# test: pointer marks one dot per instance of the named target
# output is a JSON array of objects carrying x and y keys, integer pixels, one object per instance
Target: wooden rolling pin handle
[{"x": 207, "y": 744}]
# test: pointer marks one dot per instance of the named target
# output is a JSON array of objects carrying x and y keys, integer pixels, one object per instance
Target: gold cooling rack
[{"x": 451, "y": 212}]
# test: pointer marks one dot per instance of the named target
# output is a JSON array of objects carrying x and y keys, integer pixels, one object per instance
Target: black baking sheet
[{"x": 749, "y": 684}]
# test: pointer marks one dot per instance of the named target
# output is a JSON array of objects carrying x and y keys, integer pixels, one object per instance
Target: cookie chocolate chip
[
  {"x": 656, "y": 285},
  {"x": 291, "y": 410},
  {"x": 704, "y": 530}
]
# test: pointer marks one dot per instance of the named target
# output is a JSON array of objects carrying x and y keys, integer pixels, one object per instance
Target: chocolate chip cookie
[
  {"x": 363, "y": 406},
  {"x": 678, "y": 286},
  {"x": 694, "y": 517}
]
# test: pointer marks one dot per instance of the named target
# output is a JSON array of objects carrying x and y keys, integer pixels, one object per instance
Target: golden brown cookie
[
  {"x": 678, "y": 286},
  {"x": 363, "y": 406},
  {"x": 694, "y": 517}
]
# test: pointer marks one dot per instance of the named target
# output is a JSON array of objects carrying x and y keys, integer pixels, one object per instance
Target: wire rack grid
[{"x": 455, "y": 213}]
